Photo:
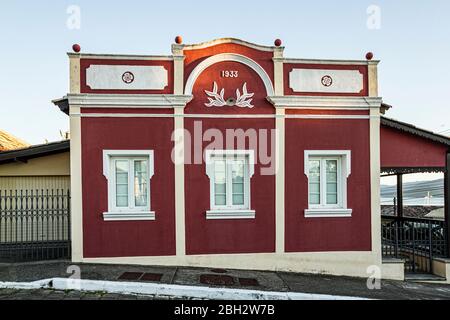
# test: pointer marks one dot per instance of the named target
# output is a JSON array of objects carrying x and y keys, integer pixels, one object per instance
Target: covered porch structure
[{"x": 421, "y": 243}]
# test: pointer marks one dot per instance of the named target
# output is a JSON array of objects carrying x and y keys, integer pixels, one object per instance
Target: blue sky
[{"x": 413, "y": 44}]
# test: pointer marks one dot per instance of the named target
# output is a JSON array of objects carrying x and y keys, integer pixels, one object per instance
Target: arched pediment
[{"x": 229, "y": 57}]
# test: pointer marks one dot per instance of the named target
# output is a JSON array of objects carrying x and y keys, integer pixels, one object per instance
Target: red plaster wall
[
  {"x": 125, "y": 239},
  {"x": 229, "y": 236},
  {"x": 402, "y": 149},
  {"x": 85, "y": 63},
  {"x": 327, "y": 234},
  {"x": 289, "y": 66}
]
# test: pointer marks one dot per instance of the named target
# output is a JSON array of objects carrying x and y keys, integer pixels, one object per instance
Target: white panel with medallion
[
  {"x": 109, "y": 77},
  {"x": 326, "y": 81}
]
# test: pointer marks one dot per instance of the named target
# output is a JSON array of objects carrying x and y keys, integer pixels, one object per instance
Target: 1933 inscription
[{"x": 229, "y": 74}]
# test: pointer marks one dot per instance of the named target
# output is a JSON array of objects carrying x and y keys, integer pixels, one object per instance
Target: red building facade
[{"x": 225, "y": 154}]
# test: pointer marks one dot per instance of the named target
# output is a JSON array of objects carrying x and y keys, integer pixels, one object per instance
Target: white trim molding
[
  {"x": 340, "y": 210},
  {"x": 230, "y": 214},
  {"x": 346, "y": 154},
  {"x": 127, "y": 214},
  {"x": 127, "y": 100},
  {"x": 375, "y": 173},
  {"x": 76, "y": 186},
  {"x": 126, "y": 77},
  {"x": 224, "y": 116},
  {"x": 180, "y": 194},
  {"x": 118, "y": 56},
  {"x": 328, "y": 213},
  {"x": 338, "y": 102},
  {"x": 326, "y": 81},
  {"x": 330, "y": 62},
  {"x": 280, "y": 187},
  {"x": 228, "y": 57},
  {"x": 127, "y": 153},
  {"x": 211, "y": 153},
  {"x": 229, "y": 211}
]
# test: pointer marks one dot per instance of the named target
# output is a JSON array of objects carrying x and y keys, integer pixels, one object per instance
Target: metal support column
[
  {"x": 399, "y": 195},
  {"x": 447, "y": 201}
]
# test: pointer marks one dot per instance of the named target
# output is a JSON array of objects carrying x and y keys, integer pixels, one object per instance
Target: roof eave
[
  {"x": 22, "y": 155},
  {"x": 406, "y": 127},
  {"x": 62, "y": 104}
]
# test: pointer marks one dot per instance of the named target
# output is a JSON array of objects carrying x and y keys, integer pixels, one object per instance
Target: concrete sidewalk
[{"x": 231, "y": 279}]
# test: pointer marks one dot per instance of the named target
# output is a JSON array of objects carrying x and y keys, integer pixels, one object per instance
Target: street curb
[
  {"x": 167, "y": 290},
  {"x": 41, "y": 284}
]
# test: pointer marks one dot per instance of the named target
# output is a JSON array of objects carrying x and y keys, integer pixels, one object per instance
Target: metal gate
[
  {"x": 417, "y": 241},
  {"x": 34, "y": 225}
]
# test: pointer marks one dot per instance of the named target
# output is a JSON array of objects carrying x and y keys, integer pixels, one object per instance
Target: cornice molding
[
  {"x": 118, "y": 56},
  {"x": 330, "y": 62},
  {"x": 215, "y": 42},
  {"x": 325, "y": 102},
  {"x": 123, "y": 100}
]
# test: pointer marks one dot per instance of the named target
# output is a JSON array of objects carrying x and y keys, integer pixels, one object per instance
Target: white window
[
  {"x": 230, "y": 172},
  {"x": 128, "y": 174},
  {"x": 327, "y": 173}
]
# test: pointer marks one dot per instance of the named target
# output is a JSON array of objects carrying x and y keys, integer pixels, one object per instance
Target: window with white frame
[
  {"x": 128, "y": 174},
  {"x": 230, "y": 172},
  {"x": 327, "y": 173}
]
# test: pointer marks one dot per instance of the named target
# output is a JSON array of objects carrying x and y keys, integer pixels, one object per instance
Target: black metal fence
[
  {"x": 417, "y": 241},
  {"x": 34, "y": 225}
]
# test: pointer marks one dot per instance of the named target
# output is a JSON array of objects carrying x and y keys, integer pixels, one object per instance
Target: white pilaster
[
  {"x": 76, "y": 185},
  {"x": 278, "y": 72},
  {"x": 180, "y": 218},
  {"x": 280, "y": 181},
  {"x": 75, "y": 74},
  {"x": 375, "y": 172},
  {"x": 280, "y": 153},
  {"x": 373, "y": 78}
]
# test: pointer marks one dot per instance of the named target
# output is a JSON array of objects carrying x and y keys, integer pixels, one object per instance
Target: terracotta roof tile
[{"x": 9, "y": 142}]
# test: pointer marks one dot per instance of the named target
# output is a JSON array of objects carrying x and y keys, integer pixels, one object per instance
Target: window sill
[
  {"x": 230, "y": 214},
  {"x": 328, "y": 213},
  {"x": 129, "y": 216}
]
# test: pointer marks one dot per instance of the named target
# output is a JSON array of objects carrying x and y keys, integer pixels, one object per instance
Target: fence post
[
  {"x": 413, "y": 229},
  {"x": 69, "y": 217},
  {"x": 396, "y": 238},
  {"x": 430, "y": 243}
]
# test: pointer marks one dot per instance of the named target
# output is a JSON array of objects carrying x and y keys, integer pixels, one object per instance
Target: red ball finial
[
  {"x": 369, "y": 56},
  {"x": 278, "y": 42},
  {"x": 179, "y": 40},
  {"x": 76, "y": 48}
]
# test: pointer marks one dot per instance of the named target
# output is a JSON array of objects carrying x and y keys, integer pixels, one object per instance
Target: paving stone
[
  {"x": 55, "y": 296},
  {"x": 91, "y": 296},
  {"x": 109, "y": 296},
  {"x": 146, "y": 297},
  {"x": 6, "y": 292},
  {"x": 126, "y": 297}
]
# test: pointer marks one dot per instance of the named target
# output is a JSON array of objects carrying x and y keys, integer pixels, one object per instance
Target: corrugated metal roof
[{"x": 407, "y": 127}]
